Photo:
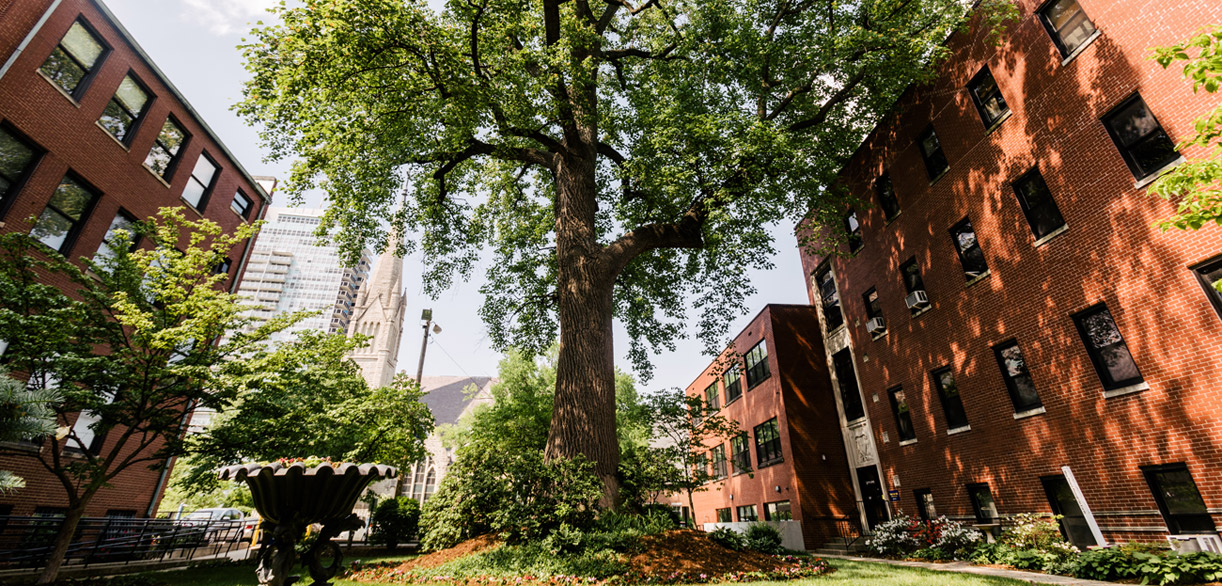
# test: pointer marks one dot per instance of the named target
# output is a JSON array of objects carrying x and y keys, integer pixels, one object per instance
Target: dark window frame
[
  {"x": 718, "y": 458},
  {"x": 1176, "y": 521},
  {"x": 1011, "y": 386},
  {"x": 884, "y": 189},
  {"x": 931, "y": 159},
  {"x": 1198, "y": 272},
  {"x": 740, "y": 458},
  {"x": 830, "y": 322},
  {"x": 1135, "y": 166},
  {"x": 1097, "y": 360},
  {"x": 973, "y": 88},
  {"x": 977, "y": 508},
  {"x": 250, "y": 204},
  {"x": 131, "y": 219},
  {"x": 727, "y": 517},
  {"x": 1064, "y": 50},
  {"x": 175, "y": 158},
  {"x": 18, "y": 183},
  {"x": 858, "y": 405},
  {"x": 138, "y": 118},
  {"x": 758, "y": 372},
  {"x": 900, "y": 416},
  {"x": 206, "y": 195},
  {"x": 752, "y": 518},
  {"x": 952, "y": 407},
  {"x": 91, "y": 73},
  {"x": 873, "y": 308},
  {"x": 769, "y": 513},
  {"x": 734, "y": 390},
  {"x": 922, "y": 512},
  {"x": 1033, "y": 214},
  {"x": 711, "y": 396},
  {"x": 74, "y": 232},
  {"x": 852, "y": 234},
  {"x": 963, "y": 253},
  {"x": 768, "y": 451},
  {"x": 914, "y": 285}
]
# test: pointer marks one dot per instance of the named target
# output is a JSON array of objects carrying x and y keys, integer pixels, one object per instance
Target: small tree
[
  {"x": 132, "y": 350},
  {"x": 685, "y": 429},
  {"x": 25, "y": 415},
  {"x": 1197, "y": 184},
  {"x": 394, "y": 521}
]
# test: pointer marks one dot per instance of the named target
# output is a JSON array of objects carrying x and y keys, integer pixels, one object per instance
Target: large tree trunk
[
  {"x": 583, "y": 420},
  {"x": 64, "y": 539}
]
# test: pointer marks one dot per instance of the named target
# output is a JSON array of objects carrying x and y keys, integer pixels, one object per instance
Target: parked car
[{"x": 218, "y": 524}]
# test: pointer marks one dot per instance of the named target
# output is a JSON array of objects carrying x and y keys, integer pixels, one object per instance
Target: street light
[{"x": 426, "y": 316}]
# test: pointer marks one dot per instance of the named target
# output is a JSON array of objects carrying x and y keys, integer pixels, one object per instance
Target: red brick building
[
  {"x": 1011, "y": 333},
  {"x": 789, "y": 462},
  {"x": 92, "y": 136}
]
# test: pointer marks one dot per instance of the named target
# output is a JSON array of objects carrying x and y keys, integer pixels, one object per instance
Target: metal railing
[{"x": 25, "y": 542}]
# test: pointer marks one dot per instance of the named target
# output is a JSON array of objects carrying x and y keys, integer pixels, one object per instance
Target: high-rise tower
[{"x": 379, "y": 312}]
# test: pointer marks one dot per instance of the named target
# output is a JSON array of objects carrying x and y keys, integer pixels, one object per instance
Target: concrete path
[{"x": 968, "y": 568}]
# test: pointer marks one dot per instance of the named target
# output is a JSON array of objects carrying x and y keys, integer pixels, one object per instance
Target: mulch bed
[
  {"x": 470, "y": 547},
  {"x": 688, "y": 551}
]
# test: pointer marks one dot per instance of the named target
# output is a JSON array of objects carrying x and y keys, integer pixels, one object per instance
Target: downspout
[
  {"x": 29, "y": 37},
  {"x": 169, "y": 465}
]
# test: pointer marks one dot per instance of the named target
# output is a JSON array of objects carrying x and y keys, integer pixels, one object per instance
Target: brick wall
[{"x": 1110, "y": 254}]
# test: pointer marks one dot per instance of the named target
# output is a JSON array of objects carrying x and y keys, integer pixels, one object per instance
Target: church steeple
[{"x": 379, "y": 313}]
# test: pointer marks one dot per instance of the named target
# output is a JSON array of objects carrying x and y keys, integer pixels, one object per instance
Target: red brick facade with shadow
[
  {"x": 62, "y": 129},
  {"x": 1113, "y": 425},
  {"x": 812, "y": 473}
]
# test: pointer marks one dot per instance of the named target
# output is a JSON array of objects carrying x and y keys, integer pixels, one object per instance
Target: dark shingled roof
[{"x": 445, "y": 397}]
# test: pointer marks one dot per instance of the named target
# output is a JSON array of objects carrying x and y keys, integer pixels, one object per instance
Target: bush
[
  {"x": 931, "y": 554},
  {"x": 394, "y": 521},
  {"x": 904, "y": 535},
  {"x": 1035, "y": 543},
  {"x": 1149, "y": 564},
  {"x": 764, "y": 538},
  {"x": 514, "y": 494},
  {"x": 729, "y": 538}
]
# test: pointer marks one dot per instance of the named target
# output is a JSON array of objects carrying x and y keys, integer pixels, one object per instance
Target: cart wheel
[{"x": 322, "y": 553}]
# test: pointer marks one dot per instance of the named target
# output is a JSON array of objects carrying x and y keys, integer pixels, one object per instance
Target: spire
[{"x": 387, "y": 277}]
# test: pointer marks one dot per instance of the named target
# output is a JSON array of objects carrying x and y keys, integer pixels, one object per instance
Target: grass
[{"x": 848, "y": 573}]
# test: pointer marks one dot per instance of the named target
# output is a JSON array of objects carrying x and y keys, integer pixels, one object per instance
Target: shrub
[
  {"x": 932, "y": 554},
  {"x": 1149, "y": 564},
  {"x": 895, "y": 538},
  {"x": 1035, "y": 542},
  {"x": 394, "y": 521},
  {"x": 729, "y": 538},
  {"x": 905, "y": 535},
  {"x": 764, "y": 538}
]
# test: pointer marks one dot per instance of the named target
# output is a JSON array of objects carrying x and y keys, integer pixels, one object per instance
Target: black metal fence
[{"x": 25, "y": 542}]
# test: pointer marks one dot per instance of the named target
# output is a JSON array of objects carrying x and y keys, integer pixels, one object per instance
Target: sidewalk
[{"x": 967, "y": 568}]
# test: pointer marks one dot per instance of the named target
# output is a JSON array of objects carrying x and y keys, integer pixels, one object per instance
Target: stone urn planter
[{"x": 294, "y": 495}]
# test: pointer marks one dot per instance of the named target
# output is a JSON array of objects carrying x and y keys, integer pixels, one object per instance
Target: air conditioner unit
[
  {"x": 876, "y": 325},
  {"x": 917, "y": 300},
  {"x": 1195, "y": 543}
]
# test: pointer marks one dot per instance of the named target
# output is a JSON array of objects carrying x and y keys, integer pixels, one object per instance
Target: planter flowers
[{"x": 292, "y": 494}]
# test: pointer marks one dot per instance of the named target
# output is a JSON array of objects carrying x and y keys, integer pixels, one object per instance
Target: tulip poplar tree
[{"x": 620, "y": 159}]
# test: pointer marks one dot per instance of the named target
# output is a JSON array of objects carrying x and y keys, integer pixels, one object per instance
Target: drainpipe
[{"x": 29, "y": 37}]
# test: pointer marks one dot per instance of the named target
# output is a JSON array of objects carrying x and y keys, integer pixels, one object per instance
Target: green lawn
[{"x": 847, "y": 573}]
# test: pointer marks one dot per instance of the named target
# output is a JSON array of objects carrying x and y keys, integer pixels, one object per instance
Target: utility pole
[{"x": 427, "y": 317}]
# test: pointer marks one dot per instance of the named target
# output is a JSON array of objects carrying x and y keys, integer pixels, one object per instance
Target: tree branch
[{"x": 836, "y": 99}]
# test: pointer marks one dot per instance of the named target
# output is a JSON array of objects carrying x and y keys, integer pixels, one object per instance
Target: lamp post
[{"x": 426, "y": 316}]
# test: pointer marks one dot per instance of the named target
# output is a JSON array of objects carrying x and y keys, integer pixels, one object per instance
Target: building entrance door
[{"x": 872, "y": 499}]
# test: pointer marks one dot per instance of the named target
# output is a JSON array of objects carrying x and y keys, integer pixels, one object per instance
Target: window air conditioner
[
  {"x": 917, "y": 299},
  {"x": 876, "y": 325},
  {"x": 1195, "y": 543}
]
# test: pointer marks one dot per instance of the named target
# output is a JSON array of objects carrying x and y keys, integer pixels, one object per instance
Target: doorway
[{"x": 872, "y": 499}]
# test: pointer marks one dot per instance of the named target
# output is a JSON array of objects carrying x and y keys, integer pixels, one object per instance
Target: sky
[{"x": 194, "y": 42}]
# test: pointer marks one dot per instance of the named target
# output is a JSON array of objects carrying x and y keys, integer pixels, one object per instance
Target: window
[
  {"x": 202, "y": 178},
  {"x": 1141, "y": 139},
  {"x": 846, "y": 379},
  {"x": 242, "y": 204},
  {"x": 223, "y": 267},
  {"x": 952, "y": 403},
  {"x": 1017, "y": 377},
  {"x": 873, "y": 307},
  {"x": 718, "y": 456},
  {"x": 1037, "y": 203},
  {"x": 734, "y": 386},
  {"x": 778, "y": 511},
  {"x": 767, "y": 443},
  {"x": 924, "y": 504},
  {"x": 1178, "y": 499},
  {"x": 17, "y": 158},
  {"x": 830, "y": 299},
  {"x": 931, "y": 152},
  {"x": 74, "y": 60},
  {"x": 982, "y": 503},
  {"x": 746, "y": 514},
  {"x": 122, "y": 221},
  {"x": 987, "y": 96},
  {"x": 911, "y": 273},
  {"x": 740, "y": 453},
  {"x": 89, "y": 435},
  {"x": 64, "y": 215},
  {"x": 1209, "y": 275},
  {"x": 886, "y": 196},
  {"x": 757, "y": 364},
  {"x": 163, "y": 157},
  {"x": 124, "y": 112},
  {"x": 853, "y": 229},
  {"x": 711, "y": 398},
  {"x": 1063, "y": 502},
  {"x": 725, "y": 515},
  {"x": 1067, "y": 24},
  {"x": 970, "y": 254},
  {"x": 903, "y": 417},
  {"x": 1107, "y": 349}
]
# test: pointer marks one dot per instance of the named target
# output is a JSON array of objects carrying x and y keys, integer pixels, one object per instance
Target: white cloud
[{"x": 226, "y": 17}]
